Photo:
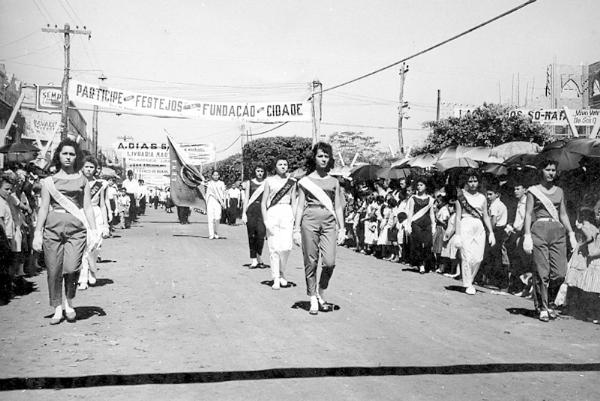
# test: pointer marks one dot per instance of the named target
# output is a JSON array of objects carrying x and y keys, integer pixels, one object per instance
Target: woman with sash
[
  {"x": 421, "y": 225},
  {"x": 276, "y": 208},
  {"x": 545, "y": 223},
  {"x": 97, "y": 194},
  {"x": 252, "y": 215},
  {"x": 319, "y": 223},
  {"x": 65, "y": 225},
  {"x": 215, "y": 203},
  {"x": 470, "y": 234}
]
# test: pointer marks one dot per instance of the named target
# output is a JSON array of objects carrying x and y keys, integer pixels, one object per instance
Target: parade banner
[
  {"x": 163, "y": 106},
  {"x": 557, "y": 117},
  {"x": 200, "y": 153},
  {"x": 186, "y": 180}
]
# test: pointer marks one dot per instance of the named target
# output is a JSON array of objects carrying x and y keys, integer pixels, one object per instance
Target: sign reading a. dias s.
[{"x": 163, "y": 106}]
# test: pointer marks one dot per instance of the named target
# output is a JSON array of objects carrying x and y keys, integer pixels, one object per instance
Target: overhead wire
[
  {"x": 430, "y": 48},
  {"x": 269, "y": 130},
  {"x": 18, "y": 39}
]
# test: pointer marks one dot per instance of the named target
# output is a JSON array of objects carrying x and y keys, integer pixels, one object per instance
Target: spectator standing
[{"x": 132, "y": 188}]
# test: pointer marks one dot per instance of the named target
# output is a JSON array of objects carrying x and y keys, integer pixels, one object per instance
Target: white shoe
[
  {"x": 283, "y": 282},
  {"x": 217, "y": 236},
  {"x": 276, "y": 285},
  {"x": 314, "y": 306},
  {"x": 254, "y": 264},
  {"x": 471, "y": 290},
  {"x": 92, "y": 278},
  {"x": 211, "y": 237},
  {"x": 82, "y": 286}
]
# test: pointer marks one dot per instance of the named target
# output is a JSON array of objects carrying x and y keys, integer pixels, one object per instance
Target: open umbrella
[
  {"x": 584, "y": 146},
  {"x": 566, "y": 160},
  {"x": 108, "y": 172},
  {"x": 394, "y": 173},
  {"x": 19, "y": 152},
  {"x": 475, "y": 153},
  {"x": 513, "y": 148},
  {"x": 426, "y": 160},
  {"x": 365, "y": 173},
  {"x": 447, "y": 164}
]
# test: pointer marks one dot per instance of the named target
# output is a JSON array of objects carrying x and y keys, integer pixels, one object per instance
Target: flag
[{"x": 187, "y": 188}]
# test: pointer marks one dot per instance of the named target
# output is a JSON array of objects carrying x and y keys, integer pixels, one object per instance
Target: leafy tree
[
  {"x": 488, "y": 125},
  {"x": 266, "y": 150},
  {"x": 349, "y": 143}
]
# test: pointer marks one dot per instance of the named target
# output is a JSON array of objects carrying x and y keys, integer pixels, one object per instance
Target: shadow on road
[
  {"x": 522, "y": 311},
  {"x": 270, "y": 283},
  {"x": 305, "y": 305},
  {"x": 190, "y": 235},
  {"x": 35, "y": 383},
  {"x": 107, "y": 261},
  {"x": 101, "y": 282},
  {"x": 259, "y": 266},
  {"x": 172, "y": 222},
  {"x": 411, "y": 269},
  {"x": 86, "y": 312},
  {"x": 457, "y": 288}
]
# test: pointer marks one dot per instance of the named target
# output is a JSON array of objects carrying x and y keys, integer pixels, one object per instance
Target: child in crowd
[
  {"x": 449, "y": 249},
  {"x": 400, "y": 226},
  {"x": 123, "y": 203},
  {"x": 370, "y": 233},
  {"x": 495, "y": 269},
  {"x": 441, "y": 223}
]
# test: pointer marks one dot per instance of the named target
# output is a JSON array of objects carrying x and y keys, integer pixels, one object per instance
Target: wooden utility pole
[
  {"x": 401, "y": 106},
  {"x": 437, "y": 112},
  {"x": 316, "y": 101},
  {"x": 102, "y": 78},
  {"x": 67, "y": 31}
]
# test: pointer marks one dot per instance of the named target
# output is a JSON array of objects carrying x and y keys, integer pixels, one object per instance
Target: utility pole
[
  {"x": 67, "y": 31},
  {"x": 403, "y": 104},
  {"x": 437, "y": 111},
  {"x": 95, "y": 123},
  {"x": 316, "y": 101}
]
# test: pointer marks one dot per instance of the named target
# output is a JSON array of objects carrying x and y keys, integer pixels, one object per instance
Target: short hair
[
  {"x": 545, "y": 162},
  {"x": 129, "y": 172},
  {"x": 311, "y": 165},
  {"x": 78, "y": 154},
  {"x": 4, "y": 177},
  {"x": 392, "y": 203},
  {"x": 257, "y": 166},
  {"x": 90, "y": 159},
  {"x": 276, "y": 159},
  {"x": 141, "y": 181},
  {"x": 587, "y": 214},
  {"x": 423, "y": 179}
]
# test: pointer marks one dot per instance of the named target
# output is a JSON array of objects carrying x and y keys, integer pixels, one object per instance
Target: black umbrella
[
  {"x": 365, "y": 173},
  {"x": 18, "y": 148}
]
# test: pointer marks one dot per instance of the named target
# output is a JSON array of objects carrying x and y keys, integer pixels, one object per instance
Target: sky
[{"x": 272, "y": 50}]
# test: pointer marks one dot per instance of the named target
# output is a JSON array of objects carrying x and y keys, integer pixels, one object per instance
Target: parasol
[{"x": 365, "y": 173}]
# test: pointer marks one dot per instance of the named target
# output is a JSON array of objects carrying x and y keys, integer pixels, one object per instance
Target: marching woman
[
  {"x": 319, "y": 223},
  {"x": 215, "y": 203},
  {"x": 97, "y": 195},
  {"x": 545, "y": 224},
  {"x": 470, "y": 234},
  {"x": 252, "y": 215},
  {"x": 65, "y": 220},
  {"x": 276, "y": 207},
  {"x": 421, "y": 225}
]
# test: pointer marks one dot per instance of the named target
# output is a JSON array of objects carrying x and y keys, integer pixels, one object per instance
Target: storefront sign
[
  {"x": 200, "y": 153},
  {"x": 49, "y": 99},
  {"x": 39, "y": 125},
  {"x": 163, "y": 106}
]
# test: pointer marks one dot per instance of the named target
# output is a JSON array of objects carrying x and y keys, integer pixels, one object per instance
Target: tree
[
  {"x": 266, "y": 150},
  {"x": 488, "y": 125},
  {"x": 350, "y": 143}
]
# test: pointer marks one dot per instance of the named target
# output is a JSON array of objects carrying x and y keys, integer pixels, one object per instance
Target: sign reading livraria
[{"x": 163, "y": 106}]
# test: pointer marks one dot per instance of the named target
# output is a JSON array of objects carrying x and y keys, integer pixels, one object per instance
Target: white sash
[
  {"x": 213, "y": 188},
  {"x": 422, "y": 211},
  {"x": 318, "y": 193},
  {"x": 259, "y": 190},
  {"x": 535, "y": 191},
  {"x": 72, "y": 209}
]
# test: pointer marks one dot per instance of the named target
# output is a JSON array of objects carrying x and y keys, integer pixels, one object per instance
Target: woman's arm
[
  {"x": 458, "y": 218},
  {"x": 41, "y": 219},
  {"x": 528, "y": 215},
  {"x": 263, "y": 202},
  {"x": 339, "y": 205},
  {"x": 246, "y": 199},
  {"x": 564, "y": 218},
  {"x": 432, "y": 215},
  {"x": 87, "y": 207}
]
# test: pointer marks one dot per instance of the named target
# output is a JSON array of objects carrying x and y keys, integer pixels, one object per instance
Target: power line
[
  {"x": 19, "y": 39},
  {"x": 228, "y": 147},
  {"x": 512, "y": 10},
  {"x": 269, "y": 130}
]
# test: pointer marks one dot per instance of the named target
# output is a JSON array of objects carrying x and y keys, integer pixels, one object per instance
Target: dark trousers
[
  {"x": 494, "y": 270},
  {"x": 142, "y": 209},
  {"x": 421, "y": 242},
  {"x": 549, "y": 260},
  {"x": 256, "y": 234},
  {"x": 132, "y": 207},
  {"x": 520, "y": 262},
  {"x": 183, "y": 214}
]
